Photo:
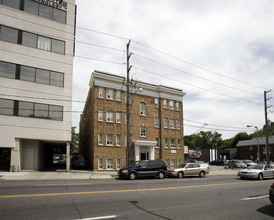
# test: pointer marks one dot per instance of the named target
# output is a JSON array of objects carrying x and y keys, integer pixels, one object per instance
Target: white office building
[{"x": 36, "y": 65}]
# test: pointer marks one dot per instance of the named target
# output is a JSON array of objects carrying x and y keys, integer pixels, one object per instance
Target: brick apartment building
[{"x": 156, "y": 123}]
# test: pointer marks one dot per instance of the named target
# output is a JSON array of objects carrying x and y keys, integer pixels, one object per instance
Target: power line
[{"x": 195, "y": 75}]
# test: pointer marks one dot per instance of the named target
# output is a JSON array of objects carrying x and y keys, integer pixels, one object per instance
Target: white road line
[
  {"x": 102, "y": 217},
  {"x": 257, "y": 197},
  {"x": 63, "y": 184}
]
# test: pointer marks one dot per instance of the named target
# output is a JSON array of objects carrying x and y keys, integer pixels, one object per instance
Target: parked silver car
[
  {"x": 188, "y": 169},
  {"x": 249, "y": 162},
  {"x": 259, "y": 171},
  {"x": 236, "y": 164}
]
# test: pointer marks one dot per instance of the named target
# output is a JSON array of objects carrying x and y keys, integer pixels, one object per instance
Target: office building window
[
  {"x": 101, "y": 92},
  {"x": 56, "y": 79},
  {"x": 172, "y": 143},
  {"x": 118, "y": 117},
  {"x": 100, "y": 139},
  {"x": 41, "y": 110},
  {"x": 27, "y": 73},
  {"x": 110, "y": 93},
  {"x": 118, "y": 164},
  {"x": 157, "y": 123},
  {"x": 109, "y": 139},
  {"x": 109, "y": 164},
  {"x": 100, "y": 115},
  {"x": 31, "y": 7},
  {"x": 118, "y": 140},
  {"x": 110, "y": 117},
  {"x": 118, "y": 95},
  {"x": 7, "y": 70},
  {"x": 9, "y": 34},
  {"x": 100, "y": 164},
  {"x": 156, "y": 103},
  {"x": 29, "y": 39},
  {"x": 6, "y": 107},
  {"x": 56, "y": 112},
  {"x": 11, "y": 3},
  {"x": 143, "y": 132},
  {"x": 25, "y": 109},
  {"x": 172, "y": 123},
  {"x": 166, "y": 142},
  {"x": 42, "y": 76},
  {"x": 171, "y": 105},
  {"x": 143, "y": 110}
]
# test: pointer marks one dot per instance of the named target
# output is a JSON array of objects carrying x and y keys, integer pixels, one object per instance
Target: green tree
[{"x": 74, "y": 144}]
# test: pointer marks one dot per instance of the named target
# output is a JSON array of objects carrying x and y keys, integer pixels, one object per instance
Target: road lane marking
[
  {"x": 64, "y": 184},
  {"x": 257, "y": 197},
  {"x": 101, "y": 217},
  {"x": 131, "y": 190}
]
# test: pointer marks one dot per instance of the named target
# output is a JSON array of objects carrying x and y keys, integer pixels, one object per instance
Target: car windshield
[
  {"x": 256, "y": 167},
  {"x": 200, "y": 162},
  {"x": 180, "y": 166}
]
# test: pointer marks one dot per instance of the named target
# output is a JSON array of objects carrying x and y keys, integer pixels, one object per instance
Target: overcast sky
[{"x": 219, "y": 52}]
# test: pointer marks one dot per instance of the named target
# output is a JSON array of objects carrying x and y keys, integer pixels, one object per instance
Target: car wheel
[
  {"x": 202, "y": 174},
  {"x": 132, "y": 176},
  {"x": 161, "y": 175},
  {"x": 260, "y": 176},
  {"x": 180, "y": 175}
]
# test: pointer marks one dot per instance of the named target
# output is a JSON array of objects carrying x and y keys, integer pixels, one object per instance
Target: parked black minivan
[{"x": 144, "y": 168}]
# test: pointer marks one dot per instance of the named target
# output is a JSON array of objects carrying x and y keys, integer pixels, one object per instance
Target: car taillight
[{"x": 272, "y": 186}]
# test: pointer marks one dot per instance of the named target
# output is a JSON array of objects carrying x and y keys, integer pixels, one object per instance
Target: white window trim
[
  {"x": 101, "y": 140},
  {"x": 170, "y": 125},
  {"x": 107, "y": 164},
  {"x": 165, "y": 123},
  {"x": 143, "y": 113},
  {"x": 108, "y": 96},
  {"x": 117, "y": 168},
  {"x": 166, "y": 143},
  {"x": 118, "y": 97},
  {"x": 156, "y": 103},
  {"x": 179, "y": 128},
  {"x": 100, "y": 118},
  {"x": 107, "y": 140},
  {"x": 157, "y": 122},
  {"x": 109, "y": 119},
  {"x": 141, "y": 131},
  {"x": 177, "y": 106},
  {"x": 118, "y": 145},
  {"x": 171, "y": 106},
  {"x": 118, "y": 113},
  {"x": 101, "y": 95},
  {"x": 99, "y": 164},
  {"x": 165, "y": 104},
  {"x": 174, "y": 145}
]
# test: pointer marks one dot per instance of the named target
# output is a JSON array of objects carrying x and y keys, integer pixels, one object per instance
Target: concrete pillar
[
  {"x": 15, "y": 156},
  {"x": 68, "y": 157}
]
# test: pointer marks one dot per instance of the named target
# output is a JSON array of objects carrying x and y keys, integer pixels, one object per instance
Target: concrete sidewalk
[{"x": 84, "y": 174}]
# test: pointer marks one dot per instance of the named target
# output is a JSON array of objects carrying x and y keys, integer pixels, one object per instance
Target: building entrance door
[{"x": 144, "y": 156}]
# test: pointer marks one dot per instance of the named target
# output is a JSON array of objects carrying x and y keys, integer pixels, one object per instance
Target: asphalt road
[{"x": 212, "y": 197}]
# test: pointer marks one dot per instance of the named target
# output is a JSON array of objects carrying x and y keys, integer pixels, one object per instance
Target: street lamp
[{"x": 258, "y": 153}]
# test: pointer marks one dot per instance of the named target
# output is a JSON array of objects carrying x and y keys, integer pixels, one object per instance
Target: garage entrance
[{"x": 5, "y": 159}]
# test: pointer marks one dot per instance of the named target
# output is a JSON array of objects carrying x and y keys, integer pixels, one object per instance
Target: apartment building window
[
  {"x": 118, "y": 95},
  {"x": 156, "y": 103},
  {"x": 118, "y": 164},
  {"x": 177, "y": 106},
  {"x": 179, "y": 143},
  {"x": 165, "y": 123},
  {"x": 172, "y": 143},
  {"x": 39, "y": 9},
  {"x": 100, "y": 139},
  {"x": 172, "y": 163},
  {"x": 31, "y": 74},
  {"x": 100, "y": 115},
  {"x": 143, "y": 110},
  {"x": 178, "y": 124},
  {"x": 179, "y": 162},
  {"x": 12, "y": 35},
  {"x": 101, "y": 92},
  {"x": 118, "y": 140},
  {"x": 30, "y": 109},
  {"x": 157, "y": 143},
  {"x": 118, "y": 117},
  {"x": 109, "y": 164},
  {"x": 171, "y": 105},
  {"x": 6, "y": 107},
  {"x": 100, "y": 164},
  {"x": 110, "y": 117},
  {"x": 172, "y": 123},
  {"x": 110, "y": 94},
  {"x": 165, "y": 103},
  {"x": 157, "y": 123},
  {"x": 143, "y": 132},
  {"x": 166, "y": 142},
  {"x": 109, "y": 139}
]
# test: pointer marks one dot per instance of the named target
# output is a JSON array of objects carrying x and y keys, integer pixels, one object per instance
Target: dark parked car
[
  {"x": 220, "y": 162},
  {"x": 144, "y": 168},
  {"x": 271, "y": 193},
  {"x": 78, "y": 161}
]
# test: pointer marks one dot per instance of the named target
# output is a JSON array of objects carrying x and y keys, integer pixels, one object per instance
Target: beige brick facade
[{"x": 156, "y": 123}]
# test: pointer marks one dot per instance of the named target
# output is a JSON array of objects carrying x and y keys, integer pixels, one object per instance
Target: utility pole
[
  {"x": 127, "y": 109},
  {"x": 266, "y": 125}
]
